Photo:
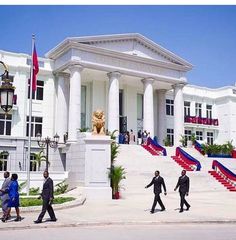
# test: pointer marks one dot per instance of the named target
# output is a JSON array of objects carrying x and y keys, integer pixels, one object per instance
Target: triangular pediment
[{"x": 133, "y": 44}]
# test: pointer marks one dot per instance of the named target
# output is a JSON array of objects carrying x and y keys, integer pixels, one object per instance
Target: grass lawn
[{"x": 27, "y": 202}]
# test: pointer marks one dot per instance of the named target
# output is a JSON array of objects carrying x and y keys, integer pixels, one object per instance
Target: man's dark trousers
[
  {"x": 47, "y": 207},
  {"x": 183, "y": 200},
  {"x": 157, "y": 199}
]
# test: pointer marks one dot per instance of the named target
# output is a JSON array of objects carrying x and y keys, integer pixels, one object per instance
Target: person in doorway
[
  {"x": 47, "y": 197},
  {"x": 144, "y": 137},
  {"x": 13, "y": 193},
  {"x": 4, "y": 194},
  {"x": 131, "y": 137},
  {"x": 139, "y": 137},
  {"x": 157, "y": 182},
  {"x": 127, "y": 137},
  {"x": 183, "y": 185}
]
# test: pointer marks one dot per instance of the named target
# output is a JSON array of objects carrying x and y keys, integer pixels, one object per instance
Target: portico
[{"x": 108, "y": 64}]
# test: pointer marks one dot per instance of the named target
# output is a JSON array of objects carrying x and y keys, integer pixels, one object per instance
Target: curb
[{"x": 128, "y": 223}]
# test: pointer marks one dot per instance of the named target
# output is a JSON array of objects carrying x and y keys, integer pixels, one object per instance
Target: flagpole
[{"x": 30, "y": 116}]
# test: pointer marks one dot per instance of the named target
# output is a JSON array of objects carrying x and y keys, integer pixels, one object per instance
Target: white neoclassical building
[{"x": 138, "y": 84}]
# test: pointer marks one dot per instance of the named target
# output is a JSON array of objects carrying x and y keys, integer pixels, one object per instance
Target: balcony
[{"x": 200, "y": 120}]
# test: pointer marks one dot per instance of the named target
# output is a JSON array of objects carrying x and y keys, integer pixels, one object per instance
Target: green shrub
[
  {"x": 22, "y": 186},
  {"x": 224, "y": 149},
  {"x": 60, "y": 188},
  {"x": 34, "y": 191},
  {"x": 117, "y": 173},
  {"x": 27, "y": 202},
  {"x": 166, "y": 142}
]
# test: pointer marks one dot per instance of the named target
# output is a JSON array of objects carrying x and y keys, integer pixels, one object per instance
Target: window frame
[
  {"x": 198, "y": 109},
  {"x": 170, "y": 135},
  {"x": 39, "y": 87},
  {"x": 209, "y": 111},
  {"x": 169, "y": 107},
  {"x": 199, "y": 135},
  {"x": 7, "y": 124},
  {"x": 186, "y": 109},
  {"x": 3, "y": 162},
  {"x": 34, "y": 124}
]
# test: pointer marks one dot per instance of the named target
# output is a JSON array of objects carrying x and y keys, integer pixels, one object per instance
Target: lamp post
[
  {"x": 6, "y": 89},
  {"x": 46, "y": 142}
]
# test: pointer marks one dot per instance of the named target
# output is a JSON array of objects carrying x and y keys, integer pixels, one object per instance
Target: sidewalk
[{"x": 206, "y": 207}]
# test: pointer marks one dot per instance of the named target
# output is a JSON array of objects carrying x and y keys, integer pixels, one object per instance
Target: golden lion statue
[{"x": 98, "y": 121}]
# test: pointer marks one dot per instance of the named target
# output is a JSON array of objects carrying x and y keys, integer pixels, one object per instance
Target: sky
[{"x": 205, "y": 36}]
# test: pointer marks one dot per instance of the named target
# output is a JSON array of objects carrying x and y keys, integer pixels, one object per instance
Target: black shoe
[
  {"x": 53, "y": 220},
  {"x": 181, "y": 210},
  {"x": 163, "y": 209},
  {"x": 151, "y": 212},
  {"x": 38, "y": 221},
  {"x": 18, "y": 219},
  {"x": 188, "y": 208}
]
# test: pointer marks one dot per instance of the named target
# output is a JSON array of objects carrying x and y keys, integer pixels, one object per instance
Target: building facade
[{"x": 139, "y": 85}]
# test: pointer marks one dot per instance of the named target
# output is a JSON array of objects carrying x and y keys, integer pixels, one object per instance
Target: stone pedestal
[{"x": 97, "y": 164}]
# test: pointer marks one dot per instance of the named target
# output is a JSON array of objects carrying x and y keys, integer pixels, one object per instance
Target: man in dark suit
[
  {"x": 47, "y": 196},
  {"x": 157, "y": 182},
  {"x": 183, "y": 184}
]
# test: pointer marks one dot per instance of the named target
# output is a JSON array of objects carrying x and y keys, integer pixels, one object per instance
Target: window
[
  {"x": 209, "y": 111},
  {"x": 38, "y": 94},
  {"x": 210, "y": 138},
  {"x": 169, "y": 107},
  {"x": 41, "y": 63},
  {"x": 186, "y": 108},
  {"x": 3, "y": 160},
  {"x": 36, "y": 126},
  {"x": 198, "y": 107},
  {"x": 33, "y": 163},
  {"x": 170, "y": 136},
  {"x": 199, "y": 135},
  {"x": 188, "y": 134},
  {"x": 5, "y": 124}
]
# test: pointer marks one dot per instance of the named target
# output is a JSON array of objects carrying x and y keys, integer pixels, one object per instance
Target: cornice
[{"x": 129, "y": 72}]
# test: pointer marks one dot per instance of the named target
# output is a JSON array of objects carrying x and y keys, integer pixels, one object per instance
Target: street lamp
[
  {"x": 47, "y": 142},
  {"x": 6, "y": 89}
]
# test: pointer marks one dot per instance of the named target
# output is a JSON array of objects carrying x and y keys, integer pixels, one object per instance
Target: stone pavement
[{"x": 206, "y": 207}]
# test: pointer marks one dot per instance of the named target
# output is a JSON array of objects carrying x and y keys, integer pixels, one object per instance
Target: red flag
[{"x": 35, "y": 69}]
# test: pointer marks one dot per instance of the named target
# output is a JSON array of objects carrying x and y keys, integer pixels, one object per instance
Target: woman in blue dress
[{"x": 14, "y": 198}]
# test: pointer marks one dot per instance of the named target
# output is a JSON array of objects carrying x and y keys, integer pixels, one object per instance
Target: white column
[
  {"x": 113, "y": 101},
  {"x": 62, "y": 105},
  {"x": 178, "y": 113},
  {"x": 148, "y": 116},
  {"x": 161, "y": 96},
  {"x": 75, "y": 102}
]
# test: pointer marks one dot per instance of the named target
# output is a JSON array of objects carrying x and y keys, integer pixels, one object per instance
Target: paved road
[{"x": 138, "y": 232}]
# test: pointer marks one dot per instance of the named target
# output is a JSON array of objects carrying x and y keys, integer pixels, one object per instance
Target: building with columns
[{"x": 139, "y": 85}]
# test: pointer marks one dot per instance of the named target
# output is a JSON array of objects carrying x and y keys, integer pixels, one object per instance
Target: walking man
[
  {"x": 183, "y": 184},
  {"x": 4, "y": 194},
  {"x": 47, "y": 196},
  {"x": 157, "y": 182}
]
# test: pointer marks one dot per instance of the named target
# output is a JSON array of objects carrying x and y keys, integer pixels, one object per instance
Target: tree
[{"x": 39, "y": 158}]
